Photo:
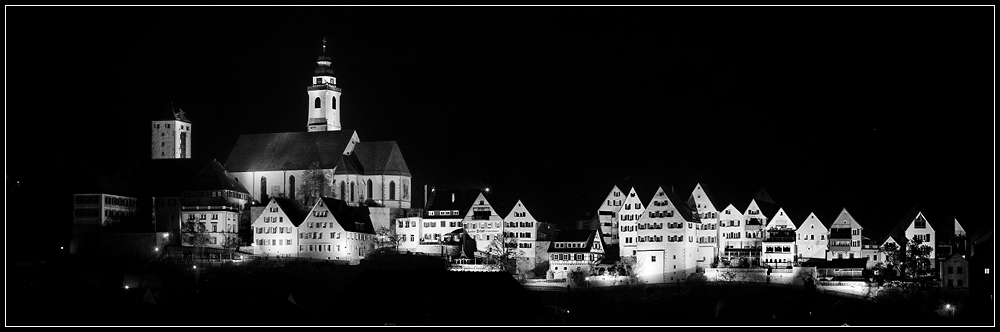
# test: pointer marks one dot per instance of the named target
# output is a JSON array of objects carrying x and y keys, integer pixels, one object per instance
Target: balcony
[
  {"x": 780, "y": 239},
  {"x": 839, "y": 248},
  {"x": 323, "y": 87}
]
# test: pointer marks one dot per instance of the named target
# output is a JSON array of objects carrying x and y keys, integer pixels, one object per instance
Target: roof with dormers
[
  {"x": 574, "y": 235},
  {"x": 352, "y": 218}
]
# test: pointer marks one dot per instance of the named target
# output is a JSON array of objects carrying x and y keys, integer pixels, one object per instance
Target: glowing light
[
  {"x": 947, "y": 306},
  {"x": 194, "y": 266},
  {"x": 126, "y": 287},
  {"x": 156, "y": 249},
  {"x": 487, "y": 189},
  {"x": 61, "y": 248}
]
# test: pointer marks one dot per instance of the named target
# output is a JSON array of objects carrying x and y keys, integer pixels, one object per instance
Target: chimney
[{"x": 453, "y": 197}]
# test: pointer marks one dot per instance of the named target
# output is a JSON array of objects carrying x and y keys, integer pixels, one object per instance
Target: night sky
[{"x": 825, "y": 107}]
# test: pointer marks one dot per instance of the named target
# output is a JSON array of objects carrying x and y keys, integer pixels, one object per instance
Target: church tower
[
  {"x": 171, "y": 135},
  {"x": 324, "y": 97}
]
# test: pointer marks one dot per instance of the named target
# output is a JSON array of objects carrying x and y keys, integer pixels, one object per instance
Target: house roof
[
  {"x": 293, "y": 209},
  {"x": 349, "y": 164},
  {"x": 381, "y": 158},
  {"x": 680, "y": 205},
  {"x": 460, "y": 199},
  {"x": 708, "y": 193},
  {"x": 574, "y": 235},
  {"x": 215, "y": 177},
  {"x": 289, "y": 151},
  {"x": 351, "y": 218}
]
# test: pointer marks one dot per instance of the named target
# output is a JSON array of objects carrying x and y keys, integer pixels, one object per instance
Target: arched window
[
  {"x": 343, "y": 190},
  {"x": 370, "y": 191},
  {"x": 291, "y": 186},
  {"x": 392, "y": 190},
  {"x": 263, "y": 188},
  {"x": 316, "y": 103},
  {"x": 352, "y": 191},
  {"x": 333, "y": 102}
]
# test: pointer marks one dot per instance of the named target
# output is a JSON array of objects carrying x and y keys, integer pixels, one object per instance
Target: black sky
[{"x": 825, "y": 106}]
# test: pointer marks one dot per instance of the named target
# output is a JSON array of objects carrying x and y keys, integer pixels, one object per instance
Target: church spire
[{"x": 324, "y": 96}]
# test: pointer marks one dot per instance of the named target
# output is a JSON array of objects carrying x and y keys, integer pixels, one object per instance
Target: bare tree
[
  {"x": 232, "y": 242},
  {"x": 386, "y": 237},
  {"x": 502, "y": 253},
  {"x": 195, "y": 234},
  {"x": 314, "y": 185}
]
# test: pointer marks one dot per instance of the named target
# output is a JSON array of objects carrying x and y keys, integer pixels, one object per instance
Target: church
[{"x": 323, "y": 161}]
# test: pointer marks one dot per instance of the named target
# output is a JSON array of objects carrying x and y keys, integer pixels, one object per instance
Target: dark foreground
[{"x": 416, "y": 291}]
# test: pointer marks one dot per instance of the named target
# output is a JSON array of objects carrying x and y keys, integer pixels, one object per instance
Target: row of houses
[{"x": 669, "y": 237}]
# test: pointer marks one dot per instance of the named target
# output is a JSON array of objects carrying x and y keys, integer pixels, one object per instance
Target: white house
[
  {"x": 779, "y": 241},
  {"x": 276, "y": 230},
  {"x": 628, "y": 215},
  {"x": 666, "y": 250},
  {"x": 708, "y": 231},
  {"x": 335, "y": 231},
  {"x": 811, "y": 239},
  {"x": 520, "y": 224},
  {"x": 731, "y": 233},
  {"x": 575, "y": 250},
  {"x": 607, "y": 215},
  {"x": 845, "y": 237},
  {"x": 482, "y": 222}
]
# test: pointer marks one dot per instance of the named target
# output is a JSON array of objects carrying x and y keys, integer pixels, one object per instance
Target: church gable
[{"x": 381, "y": 158}]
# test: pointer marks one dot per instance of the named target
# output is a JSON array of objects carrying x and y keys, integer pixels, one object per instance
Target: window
[
  {"x": 371, "y": 191},
  {"x": 653, "y": 258},
  {"x": 263, "y": 187},
  {"x": 291, "y": 186},
  {"x": 316, "y": 102},
  {"x": 951, "y": 270},
  {"x": 392, "y": 190},
  {"x": 920, "y": 222},
  {"x": 960, "y": 282},
  {"x": 958, "y": 270}
]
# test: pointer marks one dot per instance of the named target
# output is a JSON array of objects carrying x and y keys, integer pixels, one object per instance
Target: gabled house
[
  {"x": 779, "y": 241},
  {"x": 955, "y": 272},
  {"x": 915, "y": 225},
  {"x": 731, "y": 234},
  {"x": 442, "y": 216},
  {"x": 482, "y": 222},
  {"x": 332, "y": 230},
  {"x": 704, "y": 207},
  {"x": 845, "y": 239},
  {"x": 607, "y": 215},
  {"x": 276, "y": 229},
  {"x": 666, "y": 247},
  {"x": 521, "y": 225},
  {"x": 628, "y": 215},
  {"x": 811, "y": 242},
  {"x": 575, "y": 250}
]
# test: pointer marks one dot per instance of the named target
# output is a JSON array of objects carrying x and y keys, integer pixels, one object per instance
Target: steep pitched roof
[
  {"x": 708, "y": 193},
  {"x": 681, "y": 206},
  {"x": 215, "y": 177},
  {"x": 289, "y": 151},
  {"x": 381, "y": 158},
  {"x": 293, "y": 209},
  {"x": 349, "y": 164},
  {"x": 351, "y": 218}
]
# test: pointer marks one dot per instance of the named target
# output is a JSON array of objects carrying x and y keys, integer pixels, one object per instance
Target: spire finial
[{"x": 324, "y": 44}]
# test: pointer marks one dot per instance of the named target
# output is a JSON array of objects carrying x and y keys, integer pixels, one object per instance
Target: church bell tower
[{"x": 324, "y": 96}]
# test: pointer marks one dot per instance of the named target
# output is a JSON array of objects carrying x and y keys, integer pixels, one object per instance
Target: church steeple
[{"x": 324, "y": 96}]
